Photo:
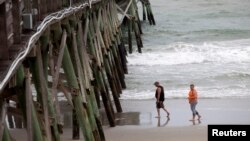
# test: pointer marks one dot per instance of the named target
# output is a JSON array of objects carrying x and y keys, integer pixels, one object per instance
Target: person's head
[
  {"x": 191, "y": 86},
  {"x": 156, "y": 83}
]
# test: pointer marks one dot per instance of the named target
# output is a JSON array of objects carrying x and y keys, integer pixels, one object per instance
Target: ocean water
[{"x": 205, "y": 42}]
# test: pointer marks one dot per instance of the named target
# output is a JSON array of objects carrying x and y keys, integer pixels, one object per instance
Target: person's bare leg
[
  {"x": 193, "y": 119},
  {"x": 166, "y": 112},
  {"x": 199, "y": 116},
  {"x": 158, "y": 112}
]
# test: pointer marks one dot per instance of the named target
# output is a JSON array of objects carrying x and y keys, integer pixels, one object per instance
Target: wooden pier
[{"x": 74, "y": 47}]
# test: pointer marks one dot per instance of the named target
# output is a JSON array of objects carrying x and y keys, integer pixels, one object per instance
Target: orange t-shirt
[{"x": 192, "y": 96}]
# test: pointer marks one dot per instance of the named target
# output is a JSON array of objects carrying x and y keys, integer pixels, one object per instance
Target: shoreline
[
  {"x": 178, "y": 128},
  {"x": 213, "y": 111},
  {"x": 138, "y": 122}
]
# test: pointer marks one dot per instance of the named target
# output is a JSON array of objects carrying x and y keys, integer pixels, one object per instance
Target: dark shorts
[{"x": 159, "y": 105}]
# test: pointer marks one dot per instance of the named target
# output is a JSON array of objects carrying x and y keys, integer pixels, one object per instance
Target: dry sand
[{"x": 135, "y": 133}]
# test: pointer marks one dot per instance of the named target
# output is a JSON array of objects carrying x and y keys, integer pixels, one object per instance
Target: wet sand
[
  {"x": 145, "y": 127},
  {"x": 138, "y": 122},
  {"x": 213, "y": 111}
]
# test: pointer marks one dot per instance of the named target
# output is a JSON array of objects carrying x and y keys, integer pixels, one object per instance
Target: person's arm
[{"x": 158, "y": 94}]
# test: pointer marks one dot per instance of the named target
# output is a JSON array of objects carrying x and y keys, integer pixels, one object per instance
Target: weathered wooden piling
[
  {"x": 146, "y": 7},
  {"x": 28, "y": 97},
  {"x": 129, "y": 24},
  {"x": 79, "y": 51},
  {"x": 132, "y": 21},
  {"x": 143, "y": 11},
  {"x": 55, "y": 71},
  {"x": 135, "y": 25},
  {"x": 88, "y": 76},
  {"x": 98, "y": 76},
  {"x": 36, "y": 133},
  {"x": 46, "y": 101},
  {"x": 89, "y": 106},
  {"x": 4, "y": 132},
  {"x": 76, "y": 96},
  {"x": 123, "y": 53}
]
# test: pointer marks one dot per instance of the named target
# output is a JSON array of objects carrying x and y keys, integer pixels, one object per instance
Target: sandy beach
[
  {"x": 200, "y": 42},
  {"x": 138, "y": 122},
  {"x": 134, "y": 133},
  {"x": 213, "y": 111}
]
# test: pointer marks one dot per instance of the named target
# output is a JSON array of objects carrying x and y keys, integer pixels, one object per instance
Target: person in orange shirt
[{"x": 192, "y": 98}]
